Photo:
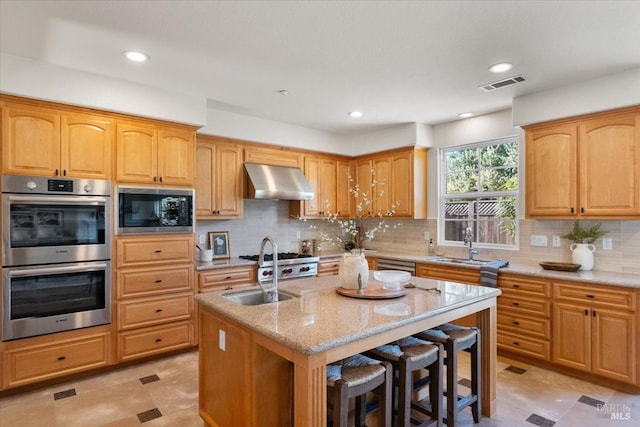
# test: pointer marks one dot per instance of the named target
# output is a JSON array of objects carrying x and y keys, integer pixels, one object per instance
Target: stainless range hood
[{"x": 277, "y": 182}]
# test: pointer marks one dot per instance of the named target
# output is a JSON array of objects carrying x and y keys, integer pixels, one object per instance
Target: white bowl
[{"x": 391, "y": 278}]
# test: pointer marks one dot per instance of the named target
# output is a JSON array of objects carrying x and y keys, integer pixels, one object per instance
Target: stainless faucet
[
  {"x": 468, "y": 239},
  {"x": 270, "y": 294}
]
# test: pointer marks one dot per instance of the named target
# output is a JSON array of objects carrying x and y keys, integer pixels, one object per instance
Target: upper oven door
[{"x": 46, "y": 229}]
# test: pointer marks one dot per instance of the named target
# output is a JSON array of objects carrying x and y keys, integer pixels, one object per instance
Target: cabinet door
[
  {"x": 228, "y": 180},
  {"x": 30, "y": 141},
  {"x": 312, "y": 208},
  {"x": 551, "y": 172},
  {"x": 401, "y": 185},
  {"x": 137, "y": 153},
  {"x": 381, "y": 185},
  {"x": 86, "y": 143},
  {"x": 205, "y": 180},
  {"x": 614, "y": 344},
  {"x": 572, "y": 336},
  {"x": 363, "y": 183},
  {"x": 344, "y": 181},
  {"x": 175, "y": 157},
  {"x": 610, "y": 166}
]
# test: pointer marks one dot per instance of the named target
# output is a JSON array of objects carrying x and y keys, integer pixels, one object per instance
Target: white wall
[
  {"x": 238, "y": 126},
  {"x": 605, "y": 93},
  {"x": 25, "y": 77},
  {"x": 475, "y": 129},
  {"x": 403, "y": 135}
]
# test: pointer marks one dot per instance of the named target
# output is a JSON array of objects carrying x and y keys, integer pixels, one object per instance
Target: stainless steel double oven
[{"x": 56, "y": 251}]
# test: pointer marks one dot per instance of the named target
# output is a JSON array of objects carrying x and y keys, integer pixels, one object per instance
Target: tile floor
[{"x": 164, "y": 392}]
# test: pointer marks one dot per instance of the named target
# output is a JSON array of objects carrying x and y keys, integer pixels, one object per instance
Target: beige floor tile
[
  {"x": 29, "y": 414},
  {"x": 175, "y": 394},
  {"x": 113, "y": 378},
  {"x": 581, "y": 415}
]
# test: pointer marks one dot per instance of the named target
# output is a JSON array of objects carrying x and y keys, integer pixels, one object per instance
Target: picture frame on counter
[{"x": 219, "y": 243}]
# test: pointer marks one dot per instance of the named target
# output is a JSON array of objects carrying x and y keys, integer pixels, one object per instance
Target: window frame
[{"x": 443, "y": 196}]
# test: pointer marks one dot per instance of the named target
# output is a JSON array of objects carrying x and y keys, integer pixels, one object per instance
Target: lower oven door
[{"x": 44, "y": 299}]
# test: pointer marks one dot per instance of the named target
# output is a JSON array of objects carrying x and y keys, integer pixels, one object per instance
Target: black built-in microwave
[{"x": 143, "y": 210}]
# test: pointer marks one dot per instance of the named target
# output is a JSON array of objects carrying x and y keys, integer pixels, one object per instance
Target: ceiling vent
[{"x": 501, "y": 83}]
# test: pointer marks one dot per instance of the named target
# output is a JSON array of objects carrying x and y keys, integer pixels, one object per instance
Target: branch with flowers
[{"x": 362, "y": 227}]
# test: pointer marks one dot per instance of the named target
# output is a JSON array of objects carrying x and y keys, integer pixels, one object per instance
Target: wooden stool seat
[
  {"x": 457, "y": 338},
  {"x": 355, "y": 376},
  {"x": 408, "y": 355}
]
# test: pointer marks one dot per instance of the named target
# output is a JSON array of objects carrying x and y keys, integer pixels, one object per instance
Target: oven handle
[
  {"x": 57, "y": 199},
  {"x": 54, "y": 270}
]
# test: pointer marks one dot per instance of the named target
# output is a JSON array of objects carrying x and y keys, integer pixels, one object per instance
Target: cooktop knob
[
  {"x": 88, "y": 188},
  {"x": 31, "y": 185}
]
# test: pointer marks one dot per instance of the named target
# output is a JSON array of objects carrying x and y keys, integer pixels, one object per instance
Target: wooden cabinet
[
  {"x": 150, "y": 154},
  {"x": 49, "y": 142},
  {"x": 524, "y": 316},
  {"x": 585, "y": 167},
  {"x": 226, "y": 278},
  {"x": 329, "y": 266},
  {"x": 154, "y": 291},
  {"x": 39, "y": 359},
  {"x": 397, "y": 180},
  {"x": 448, "y": 272},
  {"x": 373, "y": 263},
  {"x": 595, "y": 330},
  {"x": 219, "y": 179},
  {"x": 271, "y": 155}
]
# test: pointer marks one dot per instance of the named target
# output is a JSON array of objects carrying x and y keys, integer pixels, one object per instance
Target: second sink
[
  {"x": 253, "y": 296},
  {"x": 461, "y": 261}
]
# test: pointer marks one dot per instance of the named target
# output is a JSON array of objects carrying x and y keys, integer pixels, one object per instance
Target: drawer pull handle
[
  {"x": 61, "y": 358},
  {"x": 159, "y": 281},
  {"x": 159, "y": 310},
  {"x": 228, "y": 278},
  {"x": 515, "y": 303},
  {"x": 586, "y": 312},
  {"x": 590, "y": 296},
  {"x": 158, "y": 339},
  {"x": 594, "y": 313},
  {"x": 516, "y": 343},
  {"x": 516, "y": 323},
  {"x": 158, "y": 251},
  {"x": 516, "y": 286}
]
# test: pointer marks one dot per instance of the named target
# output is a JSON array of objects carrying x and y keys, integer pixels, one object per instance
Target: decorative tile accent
[
  {"x": 540, "y": 421},
  {"x": 465, "y": 382},
  {"x": 149, "y": 379},
  {"x": 149, "y": 415},
  {"x": 64, "y": 394},
  {"x": 515, "y": 370},
  {"x": 590, "y": 401}
]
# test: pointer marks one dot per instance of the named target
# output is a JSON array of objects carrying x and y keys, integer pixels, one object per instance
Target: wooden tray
[
  {"x": 372, "y": 292},
  {"x": 560, "y": 266}
]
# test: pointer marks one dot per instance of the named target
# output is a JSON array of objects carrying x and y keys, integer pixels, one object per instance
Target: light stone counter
[
  {"x": 224, "y": 263},
  {"x": 320, "y": 319},
  {"x": 628, "y": 280}
]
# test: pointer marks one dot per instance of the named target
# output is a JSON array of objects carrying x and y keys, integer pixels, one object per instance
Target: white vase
[
  {"x": 583, "y": 255},
  {"x": 352, "y": 265}
]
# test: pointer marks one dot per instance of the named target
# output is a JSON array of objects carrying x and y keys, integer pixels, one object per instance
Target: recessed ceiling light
[
  {"x": 134, "y": 56},
  {"x": 355, "y": 114},
  {"x": 465, "y": 115},
  {"x": 500, "y": 67},
  {"x": 283, "y": 92}
]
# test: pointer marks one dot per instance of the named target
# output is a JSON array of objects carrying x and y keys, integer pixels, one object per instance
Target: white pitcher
[
  {"x": 351, "y": 265},
  {"x": 583, "y": 255}
]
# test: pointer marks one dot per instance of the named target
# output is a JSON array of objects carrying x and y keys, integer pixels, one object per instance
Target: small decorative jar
[
  {"x": 351, "y": 265},
  {"x": 582, "y": 253}
]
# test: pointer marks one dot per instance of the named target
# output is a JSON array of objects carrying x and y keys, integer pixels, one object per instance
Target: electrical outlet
[
  {"x": 427, "y": 236},
  {"x": 538, "y": 240},
  {"x": 607, "y": 244},
  {"x": 222, "y": 340},
  {"x": 555, "y": 241}
]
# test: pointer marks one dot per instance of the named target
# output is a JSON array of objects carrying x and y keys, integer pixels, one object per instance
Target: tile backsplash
[{"x": 271, "y": 217}]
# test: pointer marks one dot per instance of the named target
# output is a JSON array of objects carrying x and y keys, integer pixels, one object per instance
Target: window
[{"x": 479, "y": 189}]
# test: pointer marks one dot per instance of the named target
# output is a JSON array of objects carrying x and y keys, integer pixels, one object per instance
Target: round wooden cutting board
[{"x": 372, "y": 292}]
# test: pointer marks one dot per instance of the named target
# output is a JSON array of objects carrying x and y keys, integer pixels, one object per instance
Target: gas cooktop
[{"x": 281, "y": 256}]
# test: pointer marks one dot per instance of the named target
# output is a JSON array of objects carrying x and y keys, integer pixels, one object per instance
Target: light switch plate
[
  {"x": 538, "y": 240},
  {"x": 222, "y": 340},
  {"x": 607, "y": 244},
  {"x": 555, "y": 241},
  {"x": 201, "y": 240}
]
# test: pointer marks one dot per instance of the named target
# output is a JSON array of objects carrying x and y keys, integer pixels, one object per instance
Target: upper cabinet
[
  {"x": 585, "y": 167},
  {"x": 150, "y": 154},
  {"x": 396, "y": 177},
  {"x": 48, "y": 142},
  {"x": 219, "y": 178}
]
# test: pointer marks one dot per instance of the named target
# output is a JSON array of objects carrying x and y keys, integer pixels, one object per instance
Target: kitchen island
[{"x": 266, "y": 364}]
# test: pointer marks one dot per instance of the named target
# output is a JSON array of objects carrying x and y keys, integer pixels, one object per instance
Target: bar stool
[
  {"x": 457, "y": 338},
  {"x": 408, "y": 355},
  {"x": 355, "y": 376}
]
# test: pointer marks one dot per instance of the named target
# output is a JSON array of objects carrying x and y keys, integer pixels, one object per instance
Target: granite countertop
[{"x": 320, "y": 319}]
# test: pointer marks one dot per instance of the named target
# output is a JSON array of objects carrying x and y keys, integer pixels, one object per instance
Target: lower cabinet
[
  {"x": 329, "y": 266},
  {"x": 445, "y": 272},
  {"x": 226, "y": 278},
  {"x": 154, "y": 340}
]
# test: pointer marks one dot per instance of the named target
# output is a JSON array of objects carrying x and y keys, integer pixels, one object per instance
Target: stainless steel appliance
[
  {"x": 290, "y": 265},
  {"x": 141, "y": 210},
  {"x": 48, "y": 221},
  {"x": 56, "y": 273},
  {"x": 396, "y": 264}
]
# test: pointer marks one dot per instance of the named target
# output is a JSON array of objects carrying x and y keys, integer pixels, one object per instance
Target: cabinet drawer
[
  {"x": 540, "y": 349},
  {"x": 524, "y": 325},
  {"x": 226, "y": 277},
  {"x": 152, "y": 311},
  {"x": 168, "y": 249},
  {"x": 154, "y": 340},
  {"x": 49, "y": 361},
  {"x": 524, "y": 305},
  {"x": 605, "y": 297},
  {"x": 329, "y": 266},
  {"x": 524, "y": 286},
  {"x": 462, "y": 275},
  {"x": 156, "y": 281}
]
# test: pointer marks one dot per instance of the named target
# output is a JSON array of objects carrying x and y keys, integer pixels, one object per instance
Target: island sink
[
  {"x": 461, "y": 261},
  {"x": 253, "y": 297}
]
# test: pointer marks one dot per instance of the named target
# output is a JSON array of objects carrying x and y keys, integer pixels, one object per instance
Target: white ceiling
[{"x": 397, "y": 61}]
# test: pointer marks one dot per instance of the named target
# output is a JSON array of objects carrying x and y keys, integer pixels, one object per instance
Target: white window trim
[{"x": 442, "y": 191}]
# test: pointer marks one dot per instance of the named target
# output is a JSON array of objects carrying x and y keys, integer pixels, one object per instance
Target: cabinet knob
[
  {"x": 159, "y": 310},
  {"x": 61, "y": 358},
  {"x": 590, "y": 296},
  {"x": 160, "y": 179},
  {"x": 64, "y": 172},
  {"x": 56, "y": 172},
  {"x": 158, "y": 281},
  {"x": 581, "y": 210},
  {"x": 516, "y": 323},
  {"x": 155, "y": 179},
  {"x": 594, "y": 313},
  {"x": 516, "y": 343},
  {"x": 227, "y": 278},
  {"x": 586, "y": 312},
  {"x": 516, "y": 286},
  {"x": 571, "y": 210},
  {"x": 158, "y": 251},
  {"x": 158, "y": 339},
  {"x": 515, "y": 303}
]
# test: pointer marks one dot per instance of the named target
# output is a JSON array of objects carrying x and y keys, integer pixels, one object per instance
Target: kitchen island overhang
[{"x": 320, "y": 327}]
